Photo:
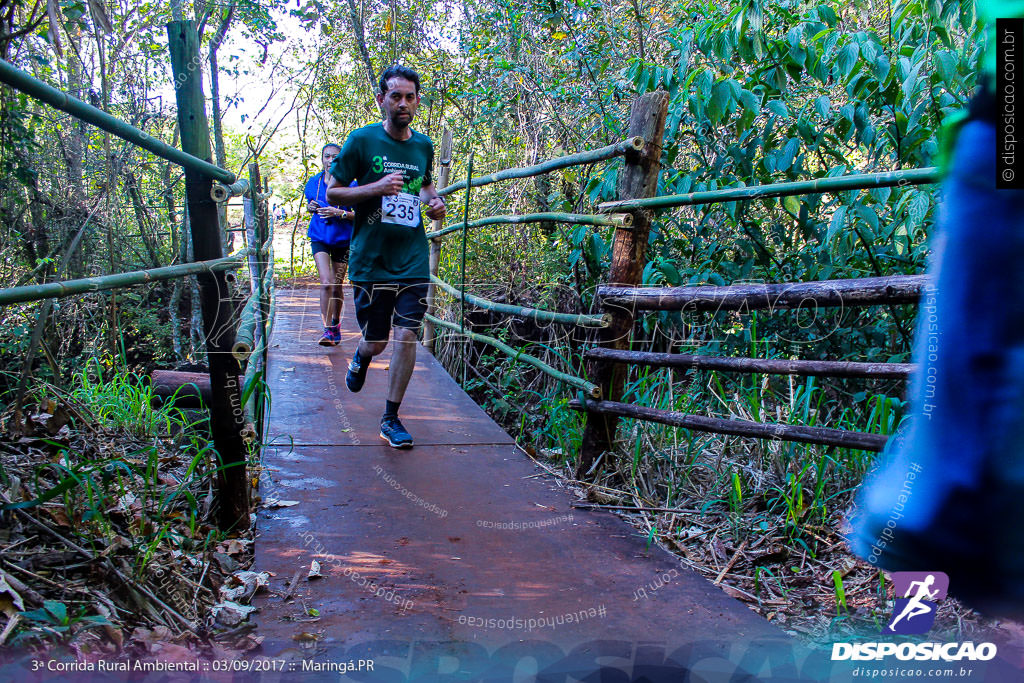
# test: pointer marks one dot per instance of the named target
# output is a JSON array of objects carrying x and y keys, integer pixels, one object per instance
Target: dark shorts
[
  {"x": 338, "y": 252},
  {"x": 383, "y": 305}
]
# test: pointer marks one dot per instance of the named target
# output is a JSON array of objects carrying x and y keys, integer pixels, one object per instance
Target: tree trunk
[
  {"x": 218, "y": 132},
  {"x": 639, "y": 178},
  {"x": 218, "y": 313},
  {"x": 358, "y": 33},
  {"x": 131, "y": 185}
]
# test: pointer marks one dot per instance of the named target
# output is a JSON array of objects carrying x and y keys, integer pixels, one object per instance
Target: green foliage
[
  {"x": 122, "y": 494},
  {"x": 54, "y": 623},
  {"x": 123, "y": 401}
]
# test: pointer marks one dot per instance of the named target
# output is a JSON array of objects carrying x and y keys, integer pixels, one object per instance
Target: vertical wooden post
[
  {"x": 261, "y": 232},
  {"x": 226, "y": 415},
  {"x": 639, "y": 178},
  {"x": 249, "y": 223},
  {"x": 265, "y": 230},
  {"x": 259, "y": 217},
  {"x": 445, "y": 159}
]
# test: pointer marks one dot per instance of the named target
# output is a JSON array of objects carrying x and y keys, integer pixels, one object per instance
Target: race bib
[{"x": 400, "y": 209}]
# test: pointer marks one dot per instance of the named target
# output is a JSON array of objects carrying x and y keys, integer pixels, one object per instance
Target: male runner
[{"x": 388, "y": 263}]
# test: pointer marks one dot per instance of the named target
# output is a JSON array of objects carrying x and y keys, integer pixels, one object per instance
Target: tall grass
[
  {"x": 134, "y": 477},
  {"x": 123, "y": 401}
]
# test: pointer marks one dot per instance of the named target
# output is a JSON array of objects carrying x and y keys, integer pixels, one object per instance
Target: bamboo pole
[
  {"x": 617, "y": 220},
  {"x": 226, "y": 410},
  {"x": 858, "y": 181},
  {"x": 259, "y": 234},
  {"x": 581, "y": 319},
  {"x": 867, "y": 291},
  {"x": 757, "y": 430},
  {"x": 219, "y": 192},
  {"x": 14, "y": 295},
  {"x": 252, "y": 367},
  {"x": 630, "y": 145},
  {"x": 255, "y": 406},
  {"x": 436, "y": 243},
  {"x": 592, "y": 389},
  {"x": 245, "y": 338},
  {"x": 768, "y": 366},
  {"x": 638, "y": 178},
  {"x": 462, "y": 268},
  {"x": 19, "y": 80}
]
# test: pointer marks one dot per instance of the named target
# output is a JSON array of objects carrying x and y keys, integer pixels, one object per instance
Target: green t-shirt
[{"x": 388, "y": 240}]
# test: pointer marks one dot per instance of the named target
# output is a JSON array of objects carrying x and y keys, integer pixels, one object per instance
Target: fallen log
[{"x": 184, "y": 389}]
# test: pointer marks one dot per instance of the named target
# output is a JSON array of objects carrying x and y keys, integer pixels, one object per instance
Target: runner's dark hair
[
  {"x": 329, "y": 144},
  {"x": 401, "y": 72}
]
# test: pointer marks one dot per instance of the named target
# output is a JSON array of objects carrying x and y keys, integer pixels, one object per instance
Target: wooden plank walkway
[{"x": 461, "y": 558}]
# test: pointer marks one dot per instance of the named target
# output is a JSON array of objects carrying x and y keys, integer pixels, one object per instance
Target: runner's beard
[{"x": 398, "y": 122}]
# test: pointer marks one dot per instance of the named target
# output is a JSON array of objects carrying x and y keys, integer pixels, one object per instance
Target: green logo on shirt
[
  {"x": 413, "y": 186},
  {"x": 378, "y": 164}
]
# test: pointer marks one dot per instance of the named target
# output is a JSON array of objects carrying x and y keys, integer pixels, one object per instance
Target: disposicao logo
[
  {"x": 915, "y": 611},
  {"x": 917, "y": 598}
]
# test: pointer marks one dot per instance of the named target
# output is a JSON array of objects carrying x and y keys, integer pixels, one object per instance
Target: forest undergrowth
[{"x": 109, "y": 544}]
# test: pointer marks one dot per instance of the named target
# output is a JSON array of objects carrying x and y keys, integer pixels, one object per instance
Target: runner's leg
[
  {"x": 326, "y": 273},
  {"x": 403, "y": 360},
  {"x": 373, "y": 303},
  {"x": 336, "y": 302}
]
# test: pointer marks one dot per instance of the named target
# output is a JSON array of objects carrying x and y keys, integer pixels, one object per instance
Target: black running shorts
[
  {"x": 383, "y": 305},
  {"x": 338, "y": 252}
]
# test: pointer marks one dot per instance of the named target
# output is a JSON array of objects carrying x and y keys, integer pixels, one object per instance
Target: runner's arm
[
  {"x": 340, "y": 195},
  {"x": 435, "y": 204},
  {"x": 311, "y": 203}
]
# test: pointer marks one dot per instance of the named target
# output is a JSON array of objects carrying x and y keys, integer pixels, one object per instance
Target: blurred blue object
[{"x": 948, "y": 493}]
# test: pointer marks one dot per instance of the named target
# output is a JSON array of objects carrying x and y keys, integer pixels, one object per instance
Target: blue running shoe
[
  {"x": 392, "y": 431},
  {"x": 357, "y": 368}
]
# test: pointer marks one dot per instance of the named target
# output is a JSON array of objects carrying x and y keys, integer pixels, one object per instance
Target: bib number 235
[{"x": 401, "y": 209}]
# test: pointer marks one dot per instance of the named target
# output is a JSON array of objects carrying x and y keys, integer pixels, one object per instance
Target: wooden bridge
[
  {"x": 462, "y": 559},
  {"x": 461, "y": 547}
]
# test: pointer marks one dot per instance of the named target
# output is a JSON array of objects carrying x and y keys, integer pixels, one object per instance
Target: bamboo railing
[
  {"x": 581, "y": 319},
  {"x": 630, "y": 219},
  {"x": 592, "y": 389},
  {"x": 247, "y": 319},
  {"x": 220, "y": 192},
  {"x": 19, "y": 80},
  {"x": 857, "y": 181},
  {"x": 256, "y": 357},
  {"x": 616, "y": 220},
  {"x": 55, "y": 290},
  {"x": 634, "y": 144}
]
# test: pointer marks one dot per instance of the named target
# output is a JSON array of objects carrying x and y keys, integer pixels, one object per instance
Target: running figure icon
[{"x": 915, "y": 606}]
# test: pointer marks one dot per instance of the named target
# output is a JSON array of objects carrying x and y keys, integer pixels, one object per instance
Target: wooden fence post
[
  {"x": 262, "y": 222},
  {"x": 226, "y": 415},
  {"x": 445, "y": 159},
  {"x": 258, "y": 219},
  {"x": 639, "y": 178},
  {"x": 249, "y": 223}
]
